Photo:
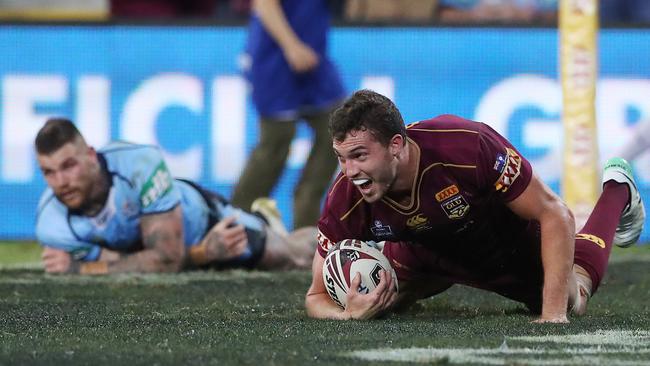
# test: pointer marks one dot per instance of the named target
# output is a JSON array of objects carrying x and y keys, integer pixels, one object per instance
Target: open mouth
[
  {"x": 362, "y": 183},
  {"x": 68, "y": 195}
]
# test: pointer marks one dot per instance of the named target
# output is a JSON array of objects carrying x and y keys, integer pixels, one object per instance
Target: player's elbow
[
  {"x": 557, "y": 214},
  {"x": 570, "y": 218},
  {"x": 318, "y": 305},
  {"x": 565, "y": 215}
]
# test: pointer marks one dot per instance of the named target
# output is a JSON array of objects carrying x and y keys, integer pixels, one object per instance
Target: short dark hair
[
  {"x": 367, "y": 109},
  {"x": 55, "y": 133}
]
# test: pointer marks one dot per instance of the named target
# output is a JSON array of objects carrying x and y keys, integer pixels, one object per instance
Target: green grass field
[{"x": 239, "y": 317}]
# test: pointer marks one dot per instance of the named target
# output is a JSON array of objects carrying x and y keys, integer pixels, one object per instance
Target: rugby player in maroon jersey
[{"x": 455, "y": 203}]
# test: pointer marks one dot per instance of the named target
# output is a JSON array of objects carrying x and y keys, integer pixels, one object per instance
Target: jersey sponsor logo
[
  {"x": 418, "y": 222},
  {"x": 158, "y": 184},
  {"x": 510, "y": 172},
  {"x": 324, "y": 242},
  {"x": 500, "y": 163},
  {"x": 592, "y": 238},
  {"x": 381, "y": 231},
  {"x": 447, "y": 192},
  {"x": 455, "y": 207}
]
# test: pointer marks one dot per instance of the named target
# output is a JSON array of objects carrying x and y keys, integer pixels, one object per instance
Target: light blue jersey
[{"x": 141, "y": 185}]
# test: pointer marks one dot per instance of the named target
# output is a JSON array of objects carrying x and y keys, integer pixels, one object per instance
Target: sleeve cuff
[{"x": 93, "y": 254}]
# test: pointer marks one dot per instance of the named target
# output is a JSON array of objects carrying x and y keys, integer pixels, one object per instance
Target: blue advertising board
[{"x": 181, "y": 88}]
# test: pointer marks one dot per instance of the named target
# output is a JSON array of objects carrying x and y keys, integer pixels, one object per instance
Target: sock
[{"x": 594, "y": 241}]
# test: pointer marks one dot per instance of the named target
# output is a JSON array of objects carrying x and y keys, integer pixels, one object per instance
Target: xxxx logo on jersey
[
  {"x": 510, "y": 172},
  {"x": 447, "y": 192},
  {"x": 452, "y": 202}
]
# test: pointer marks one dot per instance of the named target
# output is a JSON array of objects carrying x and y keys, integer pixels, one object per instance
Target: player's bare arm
[
  {"x": 538, "y": 202},
  {"x": 59, "y": 261},
  {"x": 359, "y": 306},
  {"x": 317, "y": 301},
  {"x": 162, "y": 238}
]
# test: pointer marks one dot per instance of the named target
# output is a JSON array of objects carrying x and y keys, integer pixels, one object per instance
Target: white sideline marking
[
  {"x": 495, "y": 356},
  {"x": 600, "y": 337},
  {"x": 611, "y": 348}
]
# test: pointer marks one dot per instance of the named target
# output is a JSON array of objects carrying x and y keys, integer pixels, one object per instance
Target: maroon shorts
[{"x": 518, "y": 275}]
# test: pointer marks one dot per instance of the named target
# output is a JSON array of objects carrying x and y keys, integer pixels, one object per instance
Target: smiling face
[
  {"x": 371, "y": 166},
  {"x": 71, "y": 171}
]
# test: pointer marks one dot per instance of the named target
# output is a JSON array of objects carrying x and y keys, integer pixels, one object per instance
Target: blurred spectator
[
  {"x": 625, "y": 11},
  {"x": 401, "y": 11},
  {"x": 499, "y": 11},
  {"x": 292, "y": 80}
]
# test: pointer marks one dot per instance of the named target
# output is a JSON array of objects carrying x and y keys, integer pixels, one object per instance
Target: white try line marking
[
  {"x": 600, "y": 337},
  {"x": 619, "y": 348}
]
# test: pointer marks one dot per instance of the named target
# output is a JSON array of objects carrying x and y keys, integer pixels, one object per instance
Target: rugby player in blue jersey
[{"x": 118, "y": 209}]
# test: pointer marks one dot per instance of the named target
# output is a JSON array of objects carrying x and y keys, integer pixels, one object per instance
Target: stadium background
[{"x": 180, "y": 87}]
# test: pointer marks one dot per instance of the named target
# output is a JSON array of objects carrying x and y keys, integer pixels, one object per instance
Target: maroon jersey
[{"x": 467, "y": 172}]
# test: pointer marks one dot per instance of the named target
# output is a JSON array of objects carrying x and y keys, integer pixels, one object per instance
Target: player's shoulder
[
  {"x": 50, "y": 209},
  {"x": 51, "y": 216},
  {"x": 47, "y": 199},
  {"x": 121, "y": 149},
  {"x": 444, "y": 123},
  {"x": 447, "y": 138},
  {"x": 130, "y": 159}
]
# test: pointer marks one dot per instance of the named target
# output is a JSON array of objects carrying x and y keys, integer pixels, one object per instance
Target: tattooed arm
[
  {"x": 162, "y": 237},
  {"x": 164, "y": 251}
]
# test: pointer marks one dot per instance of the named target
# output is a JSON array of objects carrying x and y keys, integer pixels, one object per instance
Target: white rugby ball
[{"x": 345, "y": 259}]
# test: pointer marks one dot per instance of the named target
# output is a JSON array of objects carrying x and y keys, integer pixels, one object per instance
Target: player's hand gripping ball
[{"x": 348, "y": 257}]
